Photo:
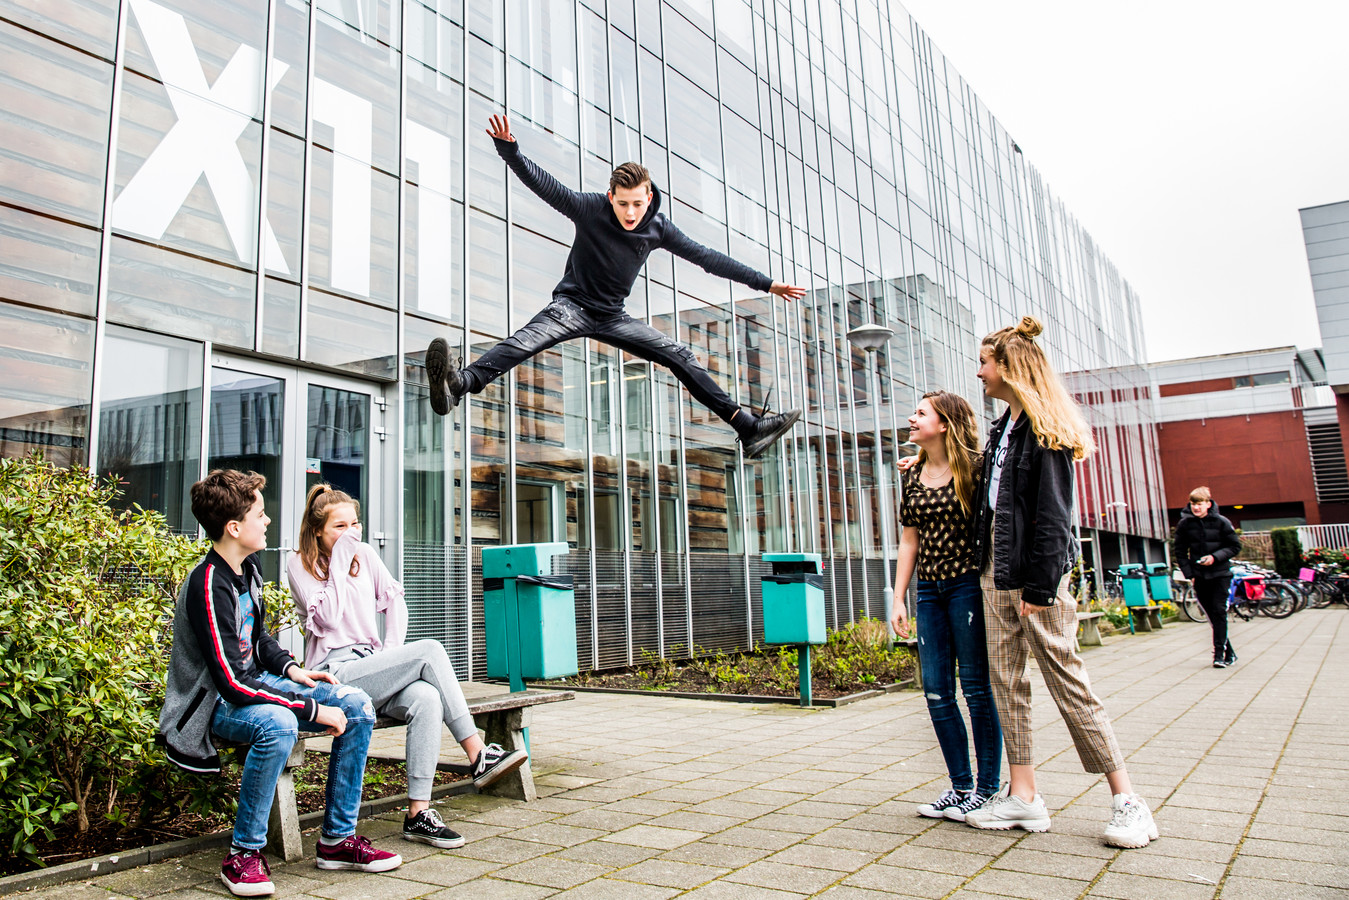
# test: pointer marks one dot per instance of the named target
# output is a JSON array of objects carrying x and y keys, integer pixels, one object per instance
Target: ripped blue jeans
[
  {"x": 564, "y": 319},
  {"x": 950, "y": 633},
  {"x": 271, "y": 731}
]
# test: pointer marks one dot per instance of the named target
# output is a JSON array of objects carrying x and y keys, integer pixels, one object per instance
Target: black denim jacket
[{"x": 1033, "y": 524}]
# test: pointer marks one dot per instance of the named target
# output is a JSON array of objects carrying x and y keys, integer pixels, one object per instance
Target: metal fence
[{"x": 1330, "y": 537}]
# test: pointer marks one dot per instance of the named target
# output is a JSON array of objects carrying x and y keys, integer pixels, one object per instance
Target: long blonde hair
[
  {"x": 317, "y": 505},
  {"x": 1054, "y": 415},
  {"x": 962, "y": 442}
]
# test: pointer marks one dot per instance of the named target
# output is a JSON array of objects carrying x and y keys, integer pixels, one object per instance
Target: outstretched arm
[
  {"x": 549, "y": 189},
  {"x": 718, "y": 263}
]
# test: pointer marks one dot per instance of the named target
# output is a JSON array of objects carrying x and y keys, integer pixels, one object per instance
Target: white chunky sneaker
[
  {"x": 937, "y": 808},
  {"x": 1131, "y": 825},
  {"x": 1005, "y": 810}
]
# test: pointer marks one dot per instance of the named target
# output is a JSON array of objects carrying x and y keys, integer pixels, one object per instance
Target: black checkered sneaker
[{"x": 428, "y": 828}]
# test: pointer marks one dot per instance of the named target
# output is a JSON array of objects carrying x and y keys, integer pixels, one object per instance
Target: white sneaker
[
  {"x": 1005, "y": 810},
  {"x": 1131, "y": 825},
  {"x": 973, "y": 800},
  {"x": 937, "y": 808}
]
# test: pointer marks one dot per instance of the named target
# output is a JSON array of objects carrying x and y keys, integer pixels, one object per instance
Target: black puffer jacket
[
  {"x": 1033, "y": 522},
  {"x": 1213, "y": 535}
]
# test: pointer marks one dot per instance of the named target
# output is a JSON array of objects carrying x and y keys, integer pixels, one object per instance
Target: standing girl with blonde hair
[
  {"x": 340, "y": 585},
  {"x": 939, "y": 543},
  {"x": 1026, "y": 512}
]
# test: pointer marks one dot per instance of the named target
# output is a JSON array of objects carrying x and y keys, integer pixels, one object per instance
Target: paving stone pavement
[{"x": 1247, "y": 770}]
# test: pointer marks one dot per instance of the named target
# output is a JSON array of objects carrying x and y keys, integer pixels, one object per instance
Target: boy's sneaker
[
  {"x": 973, "y": 800},
  {"x": 766, "y": 430},
  {"x": 356, "y": 853},
  {"x": 1005, "y": 810},
  {"x": 447, "y": 382},
  {"x": 247, "y": 874},
  {"x": 937, "y": 808},
  {"x": 494, "y": 762},
  {"x": 1220, "y": 662},
  {"x": 1131, "y": 825},
  {"x": 428, "y": 828}
]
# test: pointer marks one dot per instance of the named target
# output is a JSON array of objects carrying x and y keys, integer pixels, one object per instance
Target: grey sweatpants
[{"x": 415, "y": 683}]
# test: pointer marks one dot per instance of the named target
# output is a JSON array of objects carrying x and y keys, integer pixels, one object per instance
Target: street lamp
[{"x": 871, "y": 338}]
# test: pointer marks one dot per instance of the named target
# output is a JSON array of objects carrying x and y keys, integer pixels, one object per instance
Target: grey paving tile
[
  {"x": 607, "y": 889},
  {"x": 915, "y": 882},
  {"x": 1004, "y": 883},
  {"x": 1120, "y": 886},
  {"x": 1242, "y": 888},
  {"x": 802, "y": 879},
  {"x": 492, "y": 889},
  {"x": 552, "y": 872},
  {"x": 650, "y": 836},
  {"x": 669, "y": 873},
  {"x": 605, "y": 853},
  {"x": 821, "y": 857}
]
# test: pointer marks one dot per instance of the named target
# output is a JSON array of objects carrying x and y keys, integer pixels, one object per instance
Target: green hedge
[
  {"x": 86, "y": 612},
  {"x": 1287, "y": 551}
]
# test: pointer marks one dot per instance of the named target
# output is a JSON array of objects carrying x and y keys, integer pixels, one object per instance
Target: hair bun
[{"x": 1030, "y": 327}]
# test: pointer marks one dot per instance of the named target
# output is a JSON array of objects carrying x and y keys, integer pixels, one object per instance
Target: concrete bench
[
  {"x": 912, "y": 645},
  {"x": 1088, "y": 629},
  {"x": 502, "y": 716},
  {"x": 1146, "y": 618}
]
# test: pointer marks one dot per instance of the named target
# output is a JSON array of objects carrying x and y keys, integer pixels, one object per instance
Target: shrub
[
  {"x": 1334, "y": 560},
  {"x": 86, "y": 610},
  {"x": 1287, "y": 551}
]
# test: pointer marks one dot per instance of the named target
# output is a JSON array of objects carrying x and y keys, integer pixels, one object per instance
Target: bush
[
  {"x": 1287, "y": 551},
  {"x": 1334, "y": 560},
  {"x": 86, "y": 612}
]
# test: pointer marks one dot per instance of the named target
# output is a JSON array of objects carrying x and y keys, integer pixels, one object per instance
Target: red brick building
[{"x": 1261, "y": 429}]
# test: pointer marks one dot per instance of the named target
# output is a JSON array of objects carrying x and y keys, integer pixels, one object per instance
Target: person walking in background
[
  {"x": 615, "y": 233},
  {"x": 939, "y": 544},
  {"x": 1205, "y": 544},
  {"x": 1026, "y": 513},
  {"x": 340, "y": 586}
]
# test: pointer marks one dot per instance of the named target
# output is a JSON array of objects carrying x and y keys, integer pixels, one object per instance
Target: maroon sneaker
[
  {"x": 247, "y": 874},
  {"x": 356, "y": 853}
]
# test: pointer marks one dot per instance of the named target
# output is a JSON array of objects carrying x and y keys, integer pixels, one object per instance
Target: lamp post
[{"x": 871, "y": 338}]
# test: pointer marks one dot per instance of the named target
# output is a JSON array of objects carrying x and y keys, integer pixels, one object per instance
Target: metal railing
[{"x": 1331, "y": 537}]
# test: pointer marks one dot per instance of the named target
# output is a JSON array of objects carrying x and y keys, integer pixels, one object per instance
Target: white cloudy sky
[{"x": 1184, "y": 135}]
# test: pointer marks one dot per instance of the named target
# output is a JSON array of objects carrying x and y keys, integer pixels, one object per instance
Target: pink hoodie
[{"x": 341, "y": 611}]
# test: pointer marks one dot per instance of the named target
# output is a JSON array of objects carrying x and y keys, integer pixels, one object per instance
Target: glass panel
[
  {"x": 48, "y": 263},
  {"x": 45, "y": 384},
  {"x": 351, "y": 335},
  {"x": 281, "y": 319},
  {"x": 337, "y": 439},
  {"x": 88, "y": 24},
  {"x": 173, "y": 293},
  {"x": 246, "y": 432},
  {"x": 150, "y": 422},
  {"x": 55, "y": 139},
  {"x": 550, "y": 445},
  {"x": 426, "y": 518}
]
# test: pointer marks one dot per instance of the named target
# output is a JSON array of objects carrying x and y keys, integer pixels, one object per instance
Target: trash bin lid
[
  {"x": 1126, "y": 568},
  {"x": 809, "y": 562},
  {"x": 510, "y": 560}
]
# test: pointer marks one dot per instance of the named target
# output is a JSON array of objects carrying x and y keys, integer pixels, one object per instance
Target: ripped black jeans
[{"x": 564, "y": 319}]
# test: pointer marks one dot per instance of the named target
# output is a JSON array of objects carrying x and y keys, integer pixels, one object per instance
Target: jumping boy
[
  {"x": 615, "y": 233},
  {"x": 230, "y": 679}
]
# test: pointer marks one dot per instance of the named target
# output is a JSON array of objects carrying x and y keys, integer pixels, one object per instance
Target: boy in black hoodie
[
  {"x": 229, "y": 679},
  {"x": 615, "y": 233},
  {"x": 1205, "y": 543}
]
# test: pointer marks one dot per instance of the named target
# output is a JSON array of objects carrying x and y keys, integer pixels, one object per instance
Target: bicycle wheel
[
  {"x": 1279, "y": 601},
  {"x": 1321, "y": 595},
  {"x": 1189, "y": 606}
]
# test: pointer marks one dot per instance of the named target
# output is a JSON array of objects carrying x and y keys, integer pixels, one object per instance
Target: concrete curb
[
  {"x": 829, "y": 703},
  {"x": 141, "y": 856}
]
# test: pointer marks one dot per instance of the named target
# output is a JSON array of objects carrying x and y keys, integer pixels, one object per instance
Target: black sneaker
[
  {"x": 973, "y": 800},
  {"x": 494, "y": 762},
  {"x": 1221, "y": 663},
  {"x": 937, "y": 808},
  {"x": 428, "y": 828},
  {"x": 447, "y": 382},
  {"x": 766, "y": 430},
  {"x": 1231, "y": 656}
]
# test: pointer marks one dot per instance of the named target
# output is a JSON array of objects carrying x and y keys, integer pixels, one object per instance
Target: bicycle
[{"x": 1259, "y": 590}]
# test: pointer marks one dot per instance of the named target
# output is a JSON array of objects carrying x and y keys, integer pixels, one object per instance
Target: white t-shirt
[{"x": 995, "y": 469}]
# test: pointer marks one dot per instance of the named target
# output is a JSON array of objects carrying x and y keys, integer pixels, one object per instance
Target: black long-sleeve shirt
[{"x": 605, "y": 257}]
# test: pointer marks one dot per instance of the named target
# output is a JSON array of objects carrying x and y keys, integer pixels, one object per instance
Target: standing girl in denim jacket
[
  {"x": 939, "y": 543},
  {"x": 1026, "y": 510}
]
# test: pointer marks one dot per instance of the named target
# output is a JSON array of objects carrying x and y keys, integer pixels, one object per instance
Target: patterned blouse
[{"x": 945, "y": 545}]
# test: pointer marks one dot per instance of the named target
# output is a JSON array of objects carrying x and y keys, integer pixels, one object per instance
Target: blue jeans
[
  {"x": 951, "y": 628},
  {"x": 271, "y": 731}
]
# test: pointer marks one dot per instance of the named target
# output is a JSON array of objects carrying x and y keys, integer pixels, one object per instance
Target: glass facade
[{"x": 228, "y": 231}]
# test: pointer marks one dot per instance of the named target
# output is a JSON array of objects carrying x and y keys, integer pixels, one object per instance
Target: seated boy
[{"x": 230, "y": 679}]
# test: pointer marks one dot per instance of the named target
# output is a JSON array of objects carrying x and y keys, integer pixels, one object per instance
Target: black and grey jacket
[
  {"x": 207, "y": 662},
  {"x": 1213, "y": 535},
  {"x": 606, "y": 258},
  {"x": 1033, "y": 522}
]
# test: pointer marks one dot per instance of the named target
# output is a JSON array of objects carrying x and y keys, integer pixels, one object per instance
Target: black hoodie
[
  {"x": 605, "y": 257},
  {"x": 1213, "y": 535}
]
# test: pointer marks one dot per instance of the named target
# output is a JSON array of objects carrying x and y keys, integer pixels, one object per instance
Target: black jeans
[
  {"x": 1212, "y": 596},
  {"x": 564, "y": 319}
]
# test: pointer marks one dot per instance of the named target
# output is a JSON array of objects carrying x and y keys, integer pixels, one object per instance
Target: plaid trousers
[{"x": 1051, "y": 634}]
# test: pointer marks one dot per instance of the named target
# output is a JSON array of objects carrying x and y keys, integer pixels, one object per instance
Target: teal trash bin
[
  {"x": 793, "y": 608},
  {"x": 529, "y": 614},
  {"x": 1159, "y": 581},
  {"x": 1133, "y": 581}
]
